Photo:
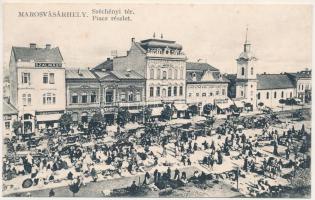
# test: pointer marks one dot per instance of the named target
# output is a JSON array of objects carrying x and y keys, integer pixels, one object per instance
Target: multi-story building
[
  {"x": 121, "y": 89},
  {"x": 37, "y": 85},
  {"x": 204, "y": 84},
  {"x": 303, "y": 82},
  {"x": 163, "y": 66},
  {"x": 82, "y": 94}
]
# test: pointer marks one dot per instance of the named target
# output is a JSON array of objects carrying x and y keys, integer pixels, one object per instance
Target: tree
[
  {"x": 167, "y": 113},
  {"x": 123, "y": 116},
  {"x": 66, "y": 121},
  {"x": 146, "y": 113},
  {"x": 97, "y": 123},
  {"x": 193, "y": 109},
  {"x": 208, "y": 108},
  {"x": 16, "y": 125}
]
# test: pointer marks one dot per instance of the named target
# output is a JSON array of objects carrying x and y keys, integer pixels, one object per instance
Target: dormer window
[{"x": 193, "y": 75}]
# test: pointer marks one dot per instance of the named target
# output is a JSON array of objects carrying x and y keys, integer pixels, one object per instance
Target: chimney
[
  {"x": 48, "y": 46},
  {"x": 133, "y": 40},
  {"x": 33, "y": 45}
]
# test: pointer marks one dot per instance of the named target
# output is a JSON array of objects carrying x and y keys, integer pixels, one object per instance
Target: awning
[
  {"x": 181, "y": 107},
  {"x": 239, "y": 104},
  {"x": 51, "y": 117},
  {"x": 134, "y": 111},
  {"x": 156, "y": 111},
  {"x": 223, "y": 105}
]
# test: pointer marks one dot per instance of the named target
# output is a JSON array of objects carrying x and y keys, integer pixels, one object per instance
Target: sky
[{"x": 281, "y": 35}]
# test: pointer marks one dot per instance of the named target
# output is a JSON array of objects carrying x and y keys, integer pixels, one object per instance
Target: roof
[
  {"x": 106, "y": 65},
  {"x": 105, "y": 76},
  {"x": 302, "y": 74},
  {"x": 273, "y": 81},
  {"x": 127, "y": 75},
  {"x": 27, "y": 54},
  {"x": 160, "y": 43},
  {"x": 200, "y": 66},
  {"x": 79, "y": 74},
  {"x": 8, "y": 109}
]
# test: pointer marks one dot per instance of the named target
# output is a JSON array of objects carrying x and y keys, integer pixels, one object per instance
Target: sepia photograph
[{"x": 156, "y": 100}]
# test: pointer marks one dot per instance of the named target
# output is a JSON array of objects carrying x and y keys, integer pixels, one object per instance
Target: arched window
[
  {"x": 158, "y": 74},
  {"x": 267, "y": 95},
  {"x": 151, "y": 73},
  {"x": 258, "y": 95},
  {"x": 74, "y": 98},
  {"x": 169, "y": 91},
  {"x": 169, "y": 73},
  {"x": 275, "y": 95},
  {"x": 243, "y": 71},
  {"x": 164, "y": 75},
  {"x": 252, "y": 71},
  {"x": 130, "y": 96}
]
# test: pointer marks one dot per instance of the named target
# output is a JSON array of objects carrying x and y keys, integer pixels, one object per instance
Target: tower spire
[{"x": 246, "y": 34}]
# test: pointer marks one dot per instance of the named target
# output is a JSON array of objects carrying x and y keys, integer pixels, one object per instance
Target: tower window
[
  {"x": 243, "y": 71},
  {"x": 252, "y": 71},
  {"x": 258, "y": 95}
]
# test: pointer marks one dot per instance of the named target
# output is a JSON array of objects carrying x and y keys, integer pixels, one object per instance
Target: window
[
  {"x": 122, "y": 97},
  {"x": 193, "y": 75},
  {"x": 151, "y": 91},
  {"x": 275, "y": 95},
  {"x": 189, "y": 94},
  {"x": 26, "y": 78},
  {"x": 74, "y": 98},
  {"x": 282, "y": 94},
  {"x": 151, "y": 73},
  {"x": 210, "y": 94},
  {"x": 164, "y": 74},
  {"x": 164, "y": 92},
  {"x": 29, "y": 99},
  {"x": 290, "y": 94},
  {"x": 243, "y": 71},
  {"x": 131, "y": 96},
  {"x": 169, "y": 73},
  {"x": 197, "y": 94},
  {"x": 302, "y": 87},
  {"x": 51, "y": 78},
  {"x": 169, "y": 91},
  {"x": 93, "y": 97},
  {"x": 158, "y": 91},
  {"x": 223, "y": 91},
  {"x": 45, "y": 78},
  {"x": 175, "y": 74},
  {"x": 138, "y": 96},
  {"x": 50, "y": 98},
  {"x": 84, "y": 98},
  {"x": 258, "y": 95},
  {"x": 217, "y": 92},
  {"x": 204, "y": 94},
  {"x": 180, "y": 90},
  {"x": 158, "y": 74},
  {"x": 242, "y": 93},
  {"x": 109, "y": 96},
  {"x": 267, "y": 95},
  {"x": 7, "y": 125},
  {"x": 252, "y": 71},
  {"x": 175, "y": 91},
  {"x": 24, "y": 99}
]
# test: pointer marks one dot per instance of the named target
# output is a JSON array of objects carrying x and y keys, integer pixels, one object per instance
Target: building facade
[
  {"x": 37, "y": 85},
  {"x": 204, "y": 84},
  {"x": 163, "y": 65},
  {"x": 82, "y": 94},
  {"x": 10, "y": 114},
  {"x": 303, "y": 82}
]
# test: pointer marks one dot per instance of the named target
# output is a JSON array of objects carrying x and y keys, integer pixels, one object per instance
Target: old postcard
[{"x": 156, "y": 100}]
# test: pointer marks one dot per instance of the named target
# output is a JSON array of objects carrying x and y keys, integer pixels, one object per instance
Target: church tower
[{"x": 246, "y": 82}]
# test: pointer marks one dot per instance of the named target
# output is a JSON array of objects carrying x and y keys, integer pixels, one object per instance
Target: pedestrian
[
  {"x": 188, "y": 161},
  {"x": 176, "y": 176},
  {"x": 51, "y": 193},
  {"x": 155, "y": 174}
]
